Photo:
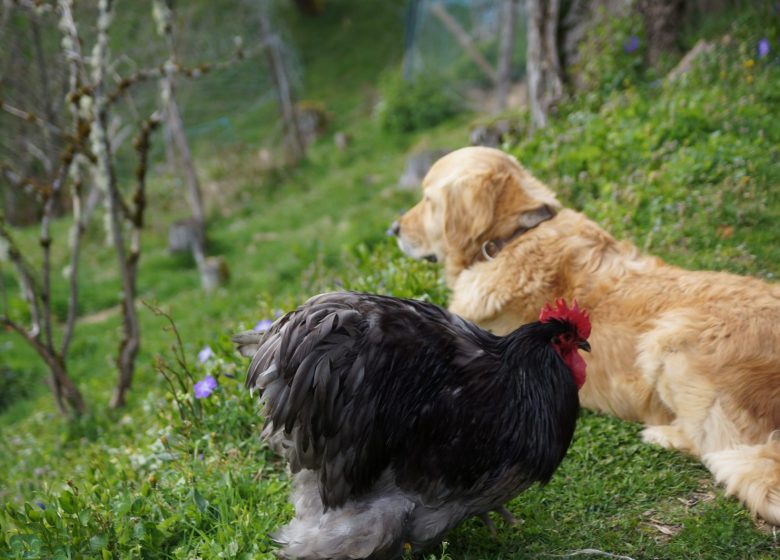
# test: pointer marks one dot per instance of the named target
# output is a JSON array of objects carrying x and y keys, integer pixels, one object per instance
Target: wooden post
[
  {"x": 281, "y": 85},
  {"x": 173, "y": 120},
  {"x": 175, "y": 125}
]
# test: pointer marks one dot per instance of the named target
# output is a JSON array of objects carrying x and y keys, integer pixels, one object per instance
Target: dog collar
[{"x": 492, "y": 247}]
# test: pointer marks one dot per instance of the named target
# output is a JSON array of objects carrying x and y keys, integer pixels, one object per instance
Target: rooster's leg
[
  {"x": 485, "y": 517},
  {"x": 508, "y": 517}
]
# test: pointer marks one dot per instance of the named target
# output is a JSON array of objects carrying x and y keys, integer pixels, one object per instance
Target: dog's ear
[
  {"x": 469, "y": 212},
  {"x": 533, "y": 218}
]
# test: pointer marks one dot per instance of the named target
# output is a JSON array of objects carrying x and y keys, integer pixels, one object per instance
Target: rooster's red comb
[{"x": 576, "y": 316}]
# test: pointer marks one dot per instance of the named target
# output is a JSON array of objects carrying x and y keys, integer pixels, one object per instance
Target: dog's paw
[{"x": 670, "y": 437}]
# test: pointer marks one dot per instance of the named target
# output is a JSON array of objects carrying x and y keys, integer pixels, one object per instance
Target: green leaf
[
  {"x": 166, "y": 523},
  {"x": 138, "y": 531},
  {"x": 98, "y": 542},
  {"x": 32, "y": 512},
  {"x": 68, "y": 502},
  {"x": 85, "y": 516},
  {"x": 200, "y": 501}
]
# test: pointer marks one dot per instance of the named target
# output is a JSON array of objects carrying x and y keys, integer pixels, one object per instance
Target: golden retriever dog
[{"x": 695, "y": 356}]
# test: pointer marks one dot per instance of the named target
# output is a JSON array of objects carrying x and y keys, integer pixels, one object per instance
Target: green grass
[{"x": 688, "y": 171}]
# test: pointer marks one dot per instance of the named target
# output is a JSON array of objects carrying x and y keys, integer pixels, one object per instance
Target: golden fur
[{"x": 693, "y": 355}]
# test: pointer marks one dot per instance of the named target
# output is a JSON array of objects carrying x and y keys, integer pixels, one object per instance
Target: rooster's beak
[{"x": 583, "y": 345}]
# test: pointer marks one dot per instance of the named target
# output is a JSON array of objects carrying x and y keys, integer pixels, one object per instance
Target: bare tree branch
[
  {"x": 174, "y": 68},
  {"x": 30, "y": 117},
  {"x": 76, "y": 234},
  {"x": 26, "y": 278}
]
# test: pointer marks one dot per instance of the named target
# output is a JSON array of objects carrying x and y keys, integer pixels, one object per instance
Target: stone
[
  {"x": 417, "y": 166},
  {"x": 214, "y": 273},
  {"x": 184, "y": 235}
]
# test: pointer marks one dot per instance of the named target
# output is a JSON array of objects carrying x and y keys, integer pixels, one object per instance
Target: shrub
[
  {"x": 14, "y": 385},
  {"x": 409, "y": 106},
  {"x": 611, "y": 56}
]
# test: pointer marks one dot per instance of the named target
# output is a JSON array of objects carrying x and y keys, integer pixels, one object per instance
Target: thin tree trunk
[
  {"x": 663, "y": 21},
  {"x": 176, "y": 128},
  {"x": 281, "y": 85},
  {"x": 508, "y": 20},
  {"x": 545, "y": 82},
  {"x": 131, "y": 333}
]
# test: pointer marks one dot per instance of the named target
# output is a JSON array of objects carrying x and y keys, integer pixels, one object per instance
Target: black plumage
[{"x": 374, "y": 397}]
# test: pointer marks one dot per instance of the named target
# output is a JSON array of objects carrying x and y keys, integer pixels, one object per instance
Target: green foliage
[
  {"x": 686, "y": 169},
  {"x": 14, "y": 386},
  {"x": 198, "y": 475},
  {"x": 611, "y": 54},
  {"x": 416, "y": 105}
]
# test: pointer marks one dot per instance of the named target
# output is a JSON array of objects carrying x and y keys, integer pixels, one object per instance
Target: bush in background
[
  {"x": 611, "y": 56},
  {"x": 409, "y": 106}
]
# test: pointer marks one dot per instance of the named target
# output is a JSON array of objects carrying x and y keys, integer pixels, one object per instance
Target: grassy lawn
[{"x": 687, "y": 170}]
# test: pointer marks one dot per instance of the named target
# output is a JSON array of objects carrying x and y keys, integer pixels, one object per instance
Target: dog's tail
[{"x": 752, "y": 474}]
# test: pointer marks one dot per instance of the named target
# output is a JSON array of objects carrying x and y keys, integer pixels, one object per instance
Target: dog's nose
[{"x": 395, "y": 228}]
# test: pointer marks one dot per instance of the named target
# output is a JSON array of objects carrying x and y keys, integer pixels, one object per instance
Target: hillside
[{"x": 686, "y": 169}]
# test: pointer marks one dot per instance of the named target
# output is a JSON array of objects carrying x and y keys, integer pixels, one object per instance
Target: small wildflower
[
  {"x": 632, "y": 44},
  {"x": 749, "y": 63},
  {"x": 763, "y": 48},
  {"x": 205, "y": 354},
  {"x": 41, "y": 505},
  {"x": 205, "y": 387},
  {"x": 263, "y": 325}
]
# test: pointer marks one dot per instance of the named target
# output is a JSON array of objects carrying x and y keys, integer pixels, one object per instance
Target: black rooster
[{"x": 402, "y": 419}]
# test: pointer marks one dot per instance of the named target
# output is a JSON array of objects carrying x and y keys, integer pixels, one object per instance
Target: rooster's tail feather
[{"x": 752, "y": 474}]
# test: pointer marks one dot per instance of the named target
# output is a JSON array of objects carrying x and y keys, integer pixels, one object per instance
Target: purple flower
[
  {"x": 205, "y": 354},
  {"x": 41, "y": 505},
  {"x": 632, "y": 44},
  {"x": 263, "y": 325},
  {"x": 205, "y": 387},
  {"x": 763, "y": 48}
]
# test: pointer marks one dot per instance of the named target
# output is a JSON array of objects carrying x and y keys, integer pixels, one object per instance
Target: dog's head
[{"x": 471, "y": 196}]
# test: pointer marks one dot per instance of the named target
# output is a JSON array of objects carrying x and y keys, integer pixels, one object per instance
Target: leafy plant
[
  {"x": 416, "y": 105},
  {"x": 611, "y": 55}
]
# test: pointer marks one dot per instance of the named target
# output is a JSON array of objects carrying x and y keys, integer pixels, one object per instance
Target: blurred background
[{"x": 172, "y": 172}]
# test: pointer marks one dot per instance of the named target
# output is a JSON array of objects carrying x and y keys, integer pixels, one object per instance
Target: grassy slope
[{"x": 147, "y": 483}]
